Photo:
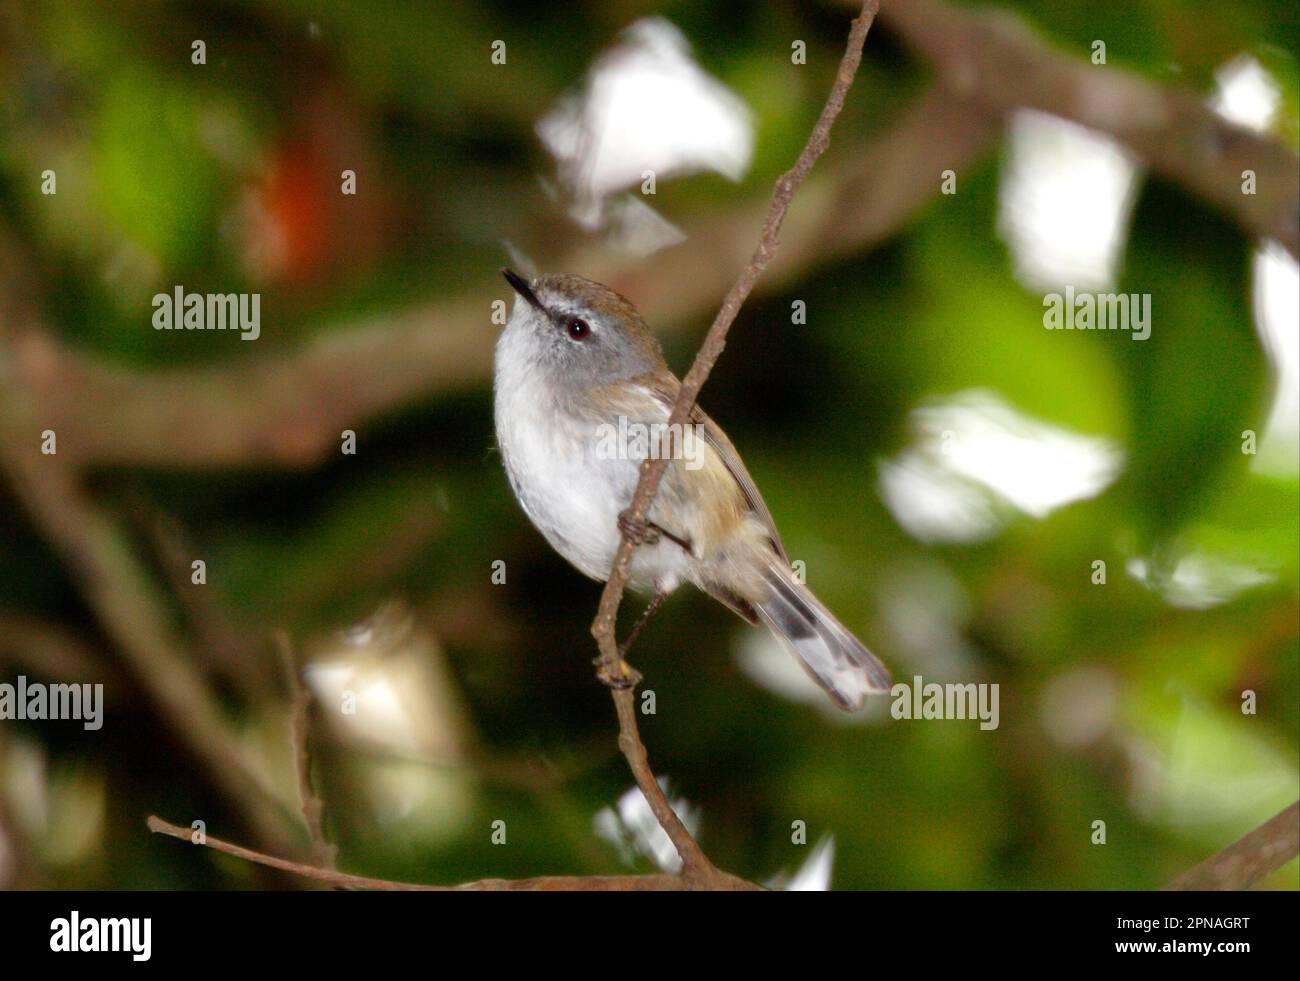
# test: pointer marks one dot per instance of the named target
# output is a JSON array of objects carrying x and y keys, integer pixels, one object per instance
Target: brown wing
[{"x": 665, "y": 386}]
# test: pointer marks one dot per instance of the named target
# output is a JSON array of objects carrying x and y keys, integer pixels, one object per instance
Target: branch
[
  {"x": 1249, "y": 858},
  {"x": 591, "y": 883},
  {"x": 21, "y": 868},
  {"x": 55, "y": 652},
  {"x": 696, "y": 868},
  {"x": 313, "y": 811},
  {"x": 118, "y": 588},
  {"x": 992, "y": 58},
  {"x": 288, "y": 408},
  {"x": 232, "y": 653}
]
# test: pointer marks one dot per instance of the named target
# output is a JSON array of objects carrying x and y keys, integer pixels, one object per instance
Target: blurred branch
[
  {"x": 313, "y": 811},
  {"x": 577, "y": 883},
  {"x": 612, "y": 669},
  {"x": 227, "y": 652},
  {"x": 992, "y": 58},
  {"x": 19, "y": 866},
  {"x": 114, "y": 582},
  {"x": 118, "y": 588},
  {"x": 1249, "y": 858},
  {"x": 289, "y": 408},
  {"x": 52, "y": 651}
]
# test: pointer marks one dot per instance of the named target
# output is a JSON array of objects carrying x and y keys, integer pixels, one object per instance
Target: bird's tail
[{"x": 837, "y": 660}]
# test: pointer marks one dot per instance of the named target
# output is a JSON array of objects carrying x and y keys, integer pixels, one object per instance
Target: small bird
[{"x": 579, "y": 383}]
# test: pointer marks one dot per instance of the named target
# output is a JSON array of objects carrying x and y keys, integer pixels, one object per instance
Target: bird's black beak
[{"x": 520, "y": 286}]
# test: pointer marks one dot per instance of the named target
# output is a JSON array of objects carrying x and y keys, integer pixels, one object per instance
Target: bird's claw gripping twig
[
  {"x": 621, "y": 677},
  {"x": 637, "y": 530}
]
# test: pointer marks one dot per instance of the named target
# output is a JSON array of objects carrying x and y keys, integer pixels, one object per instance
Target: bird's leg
[
  {"x": 683, "y": 542},
  {"x": 627, "y": 676},
  {"x": 659, "y": 597},
  {"x": 646, "y": 532}
]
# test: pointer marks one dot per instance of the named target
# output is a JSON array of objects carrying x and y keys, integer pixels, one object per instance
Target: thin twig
[
  {"x": 579, "y": 883},
  {"x": 313, "y": 810},
  {"x": 695, "y": 866},
  {"x": 1249, "y": 858}
]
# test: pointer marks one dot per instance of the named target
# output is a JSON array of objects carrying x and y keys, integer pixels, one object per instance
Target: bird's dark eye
[{"x": 577, "y": 329}]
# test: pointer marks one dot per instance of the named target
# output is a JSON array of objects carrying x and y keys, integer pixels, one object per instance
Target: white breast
[{"x": 572, "y": 496}]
